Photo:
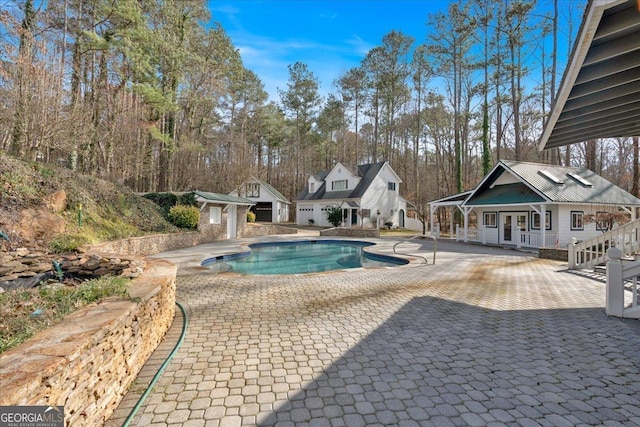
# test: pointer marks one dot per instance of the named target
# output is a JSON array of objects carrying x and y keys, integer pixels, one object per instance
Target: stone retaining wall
[
  {"x": 156, "y": 243},
  {"x": 351, "y": 232},
  {"x": 147, "y": 245},
  {"x": 257, "y": 230},
  {"x": 87, "y": 362},
  {"x": 554, "y": 254}
]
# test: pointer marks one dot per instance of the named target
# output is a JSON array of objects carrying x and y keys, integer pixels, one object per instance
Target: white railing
[
  {"x": 618, "y": 275},
  {"x": 594, "y": 252},
  {"x": 533, "y": 239},
  {"x": 522, "y": 239},
  {"x": 472, "y": 234}
]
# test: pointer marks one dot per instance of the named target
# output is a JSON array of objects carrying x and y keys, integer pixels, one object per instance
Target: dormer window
[
  {"x": 312, "y": 187},
  {"x": 253, "y": 190},
  {"x": 391, "y": 186},
  {"x": 339, "y": 185}
]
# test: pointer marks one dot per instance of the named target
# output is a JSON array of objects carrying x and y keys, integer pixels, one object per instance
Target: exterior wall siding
[
  {"x": 560, "y": 222},
  {"x": 567, "y": 234}
]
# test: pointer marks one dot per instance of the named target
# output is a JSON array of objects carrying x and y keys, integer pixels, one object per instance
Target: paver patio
[{"x": 483, "y": 337}]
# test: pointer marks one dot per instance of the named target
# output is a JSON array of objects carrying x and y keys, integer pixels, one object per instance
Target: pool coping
[{"x": 373, "y": 255}]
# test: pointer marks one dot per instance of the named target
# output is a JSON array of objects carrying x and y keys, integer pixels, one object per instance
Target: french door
[{"x": 510, "y": 224}]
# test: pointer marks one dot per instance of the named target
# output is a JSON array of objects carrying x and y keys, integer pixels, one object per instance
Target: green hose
[{"x": 158, "y": 374}]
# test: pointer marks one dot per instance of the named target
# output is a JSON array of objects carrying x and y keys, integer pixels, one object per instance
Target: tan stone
[
  {"x": 57, "y": 201},
  {"x": 40, "y": 223},
  {"x": 87, "y": 363}
]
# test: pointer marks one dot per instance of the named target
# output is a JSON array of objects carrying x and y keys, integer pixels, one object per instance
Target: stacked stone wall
[
  {"x": 556, "y": 254},
  {"x": 258, "y": 230},
  {"x": 351, "y": 232},
  {"x": 87, "y": 362}
]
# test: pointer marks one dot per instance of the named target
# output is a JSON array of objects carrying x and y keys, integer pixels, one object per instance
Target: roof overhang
[
  {"x": 599, "y": 96},
  {"x": 221, "y": 199}
]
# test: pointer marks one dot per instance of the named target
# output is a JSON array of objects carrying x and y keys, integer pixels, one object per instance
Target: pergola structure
[
  {"x": 452, "y": 202},
  {"x": 599, "y": 96}
]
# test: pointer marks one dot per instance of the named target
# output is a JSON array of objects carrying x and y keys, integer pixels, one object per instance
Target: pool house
[{"x": 535, "y": 205}]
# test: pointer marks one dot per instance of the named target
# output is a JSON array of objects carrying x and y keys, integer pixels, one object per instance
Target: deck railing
[
  {"x": 522, "y": 239},
  {"x": 533, "y": 239},
  {"x": 621, "y": 275},
  {"x": 594, "y": 251}
]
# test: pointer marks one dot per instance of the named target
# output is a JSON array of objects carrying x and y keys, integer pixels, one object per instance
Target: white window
[
  {"x": 490, "y": 219},
  {"x": 215, "y": 215},
  {"x": 391, "y": 186},
  {"x": 535, "y": 220},
  {"x": 339, "y": 185},
  {"x": 577, "y": 220},
  {"x": 312, "y": 187},
  {"x": 253, "y": 190}
]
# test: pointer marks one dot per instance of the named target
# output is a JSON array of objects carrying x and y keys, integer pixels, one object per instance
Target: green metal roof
[
  {"x": 508, "y": 194},
  {"x": 223, "y": 198},
  {"x": 569, "y": 189}
]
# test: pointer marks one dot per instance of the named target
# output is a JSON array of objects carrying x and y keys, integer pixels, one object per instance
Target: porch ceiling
[{"x": 599, "y": 96}]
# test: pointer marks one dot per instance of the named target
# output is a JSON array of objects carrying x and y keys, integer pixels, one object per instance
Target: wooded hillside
[{"x": 154, "y": 95}]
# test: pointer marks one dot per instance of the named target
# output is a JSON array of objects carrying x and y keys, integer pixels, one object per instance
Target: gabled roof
[
  {"x": 367, "y": 174},
  {"x": 456, "y": 199},
  {"x": 223, "y": 199},
  {"x": 271, "y": 189},
  {"x": 599, "y": 96},
  {"x": 539, "y": 183},
  {"x": 514, "y": 193}
]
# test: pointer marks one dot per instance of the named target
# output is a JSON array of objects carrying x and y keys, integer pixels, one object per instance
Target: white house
[
  {"x": 511, "y": 200},
  {"x": 369, "y": 196},
  {"x": 270, "y": 205}
]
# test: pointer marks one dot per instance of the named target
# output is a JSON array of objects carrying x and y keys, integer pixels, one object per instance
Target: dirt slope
[{"x": 52, "y": 208}]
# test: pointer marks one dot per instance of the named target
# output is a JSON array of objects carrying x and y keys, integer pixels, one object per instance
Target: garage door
[{"x": 263, "y": 211}]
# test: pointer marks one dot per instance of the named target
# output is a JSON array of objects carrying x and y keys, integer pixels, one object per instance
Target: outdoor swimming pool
[{"x": 309, "y": 256}]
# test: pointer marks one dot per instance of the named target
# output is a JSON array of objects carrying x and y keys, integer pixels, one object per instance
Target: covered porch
[{"x": 509, "y": 225}]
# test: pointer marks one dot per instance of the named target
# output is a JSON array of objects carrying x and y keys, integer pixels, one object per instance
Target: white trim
[{"x": 580, "y": 50}]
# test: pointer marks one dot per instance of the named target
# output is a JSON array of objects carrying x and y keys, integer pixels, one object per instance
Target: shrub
[
  {"x": 165, "y": 200},
  {"x": 187, "y": 199},
  {"x": 184, "y": 216},
  {"x": 251, "y": 217},
  {"x": 311, "y": 222},
  {"x": 334, "y": 216}
]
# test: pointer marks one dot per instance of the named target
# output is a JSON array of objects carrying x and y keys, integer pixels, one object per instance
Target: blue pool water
[{"x": 301, "y": 257}]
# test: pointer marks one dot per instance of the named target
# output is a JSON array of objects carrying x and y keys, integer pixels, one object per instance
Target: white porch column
[
  {"x": 431, "y": 218},
  {"x": 615, "y": 286},
  {"x": 543, "y": 225},
  {"x": 465, "y": 213},
  {"x": 451, "y": 224}
]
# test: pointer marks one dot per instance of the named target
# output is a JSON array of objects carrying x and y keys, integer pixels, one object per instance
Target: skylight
[
  {"x": 580, "y": 179},
  {"x": 551, "y": 177}
]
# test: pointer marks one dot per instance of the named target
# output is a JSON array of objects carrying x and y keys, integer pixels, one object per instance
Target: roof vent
[
  {"x": 580, "y": 179},
  {"x": 551, "y": 177}
]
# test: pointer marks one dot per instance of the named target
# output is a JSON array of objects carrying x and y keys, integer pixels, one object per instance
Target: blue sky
[{"x": 329, "y": 36}]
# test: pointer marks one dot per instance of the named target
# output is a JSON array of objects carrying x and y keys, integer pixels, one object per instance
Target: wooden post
[
  {"x": 615, "y": 285},
  {"x": 466, "y": 223},
  {"x": 543, "y": 226},
  {"x": 571, "y": 254}
]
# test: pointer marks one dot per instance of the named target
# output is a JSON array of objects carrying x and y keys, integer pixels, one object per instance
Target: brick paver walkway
[{"x": 484, "y": 337}]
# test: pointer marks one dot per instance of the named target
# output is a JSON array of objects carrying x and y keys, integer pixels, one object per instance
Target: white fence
[
  {"x": 620, "y": 274},
  {"x": 594, "y": 252},
  {"x": 522, "y": 239}
]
